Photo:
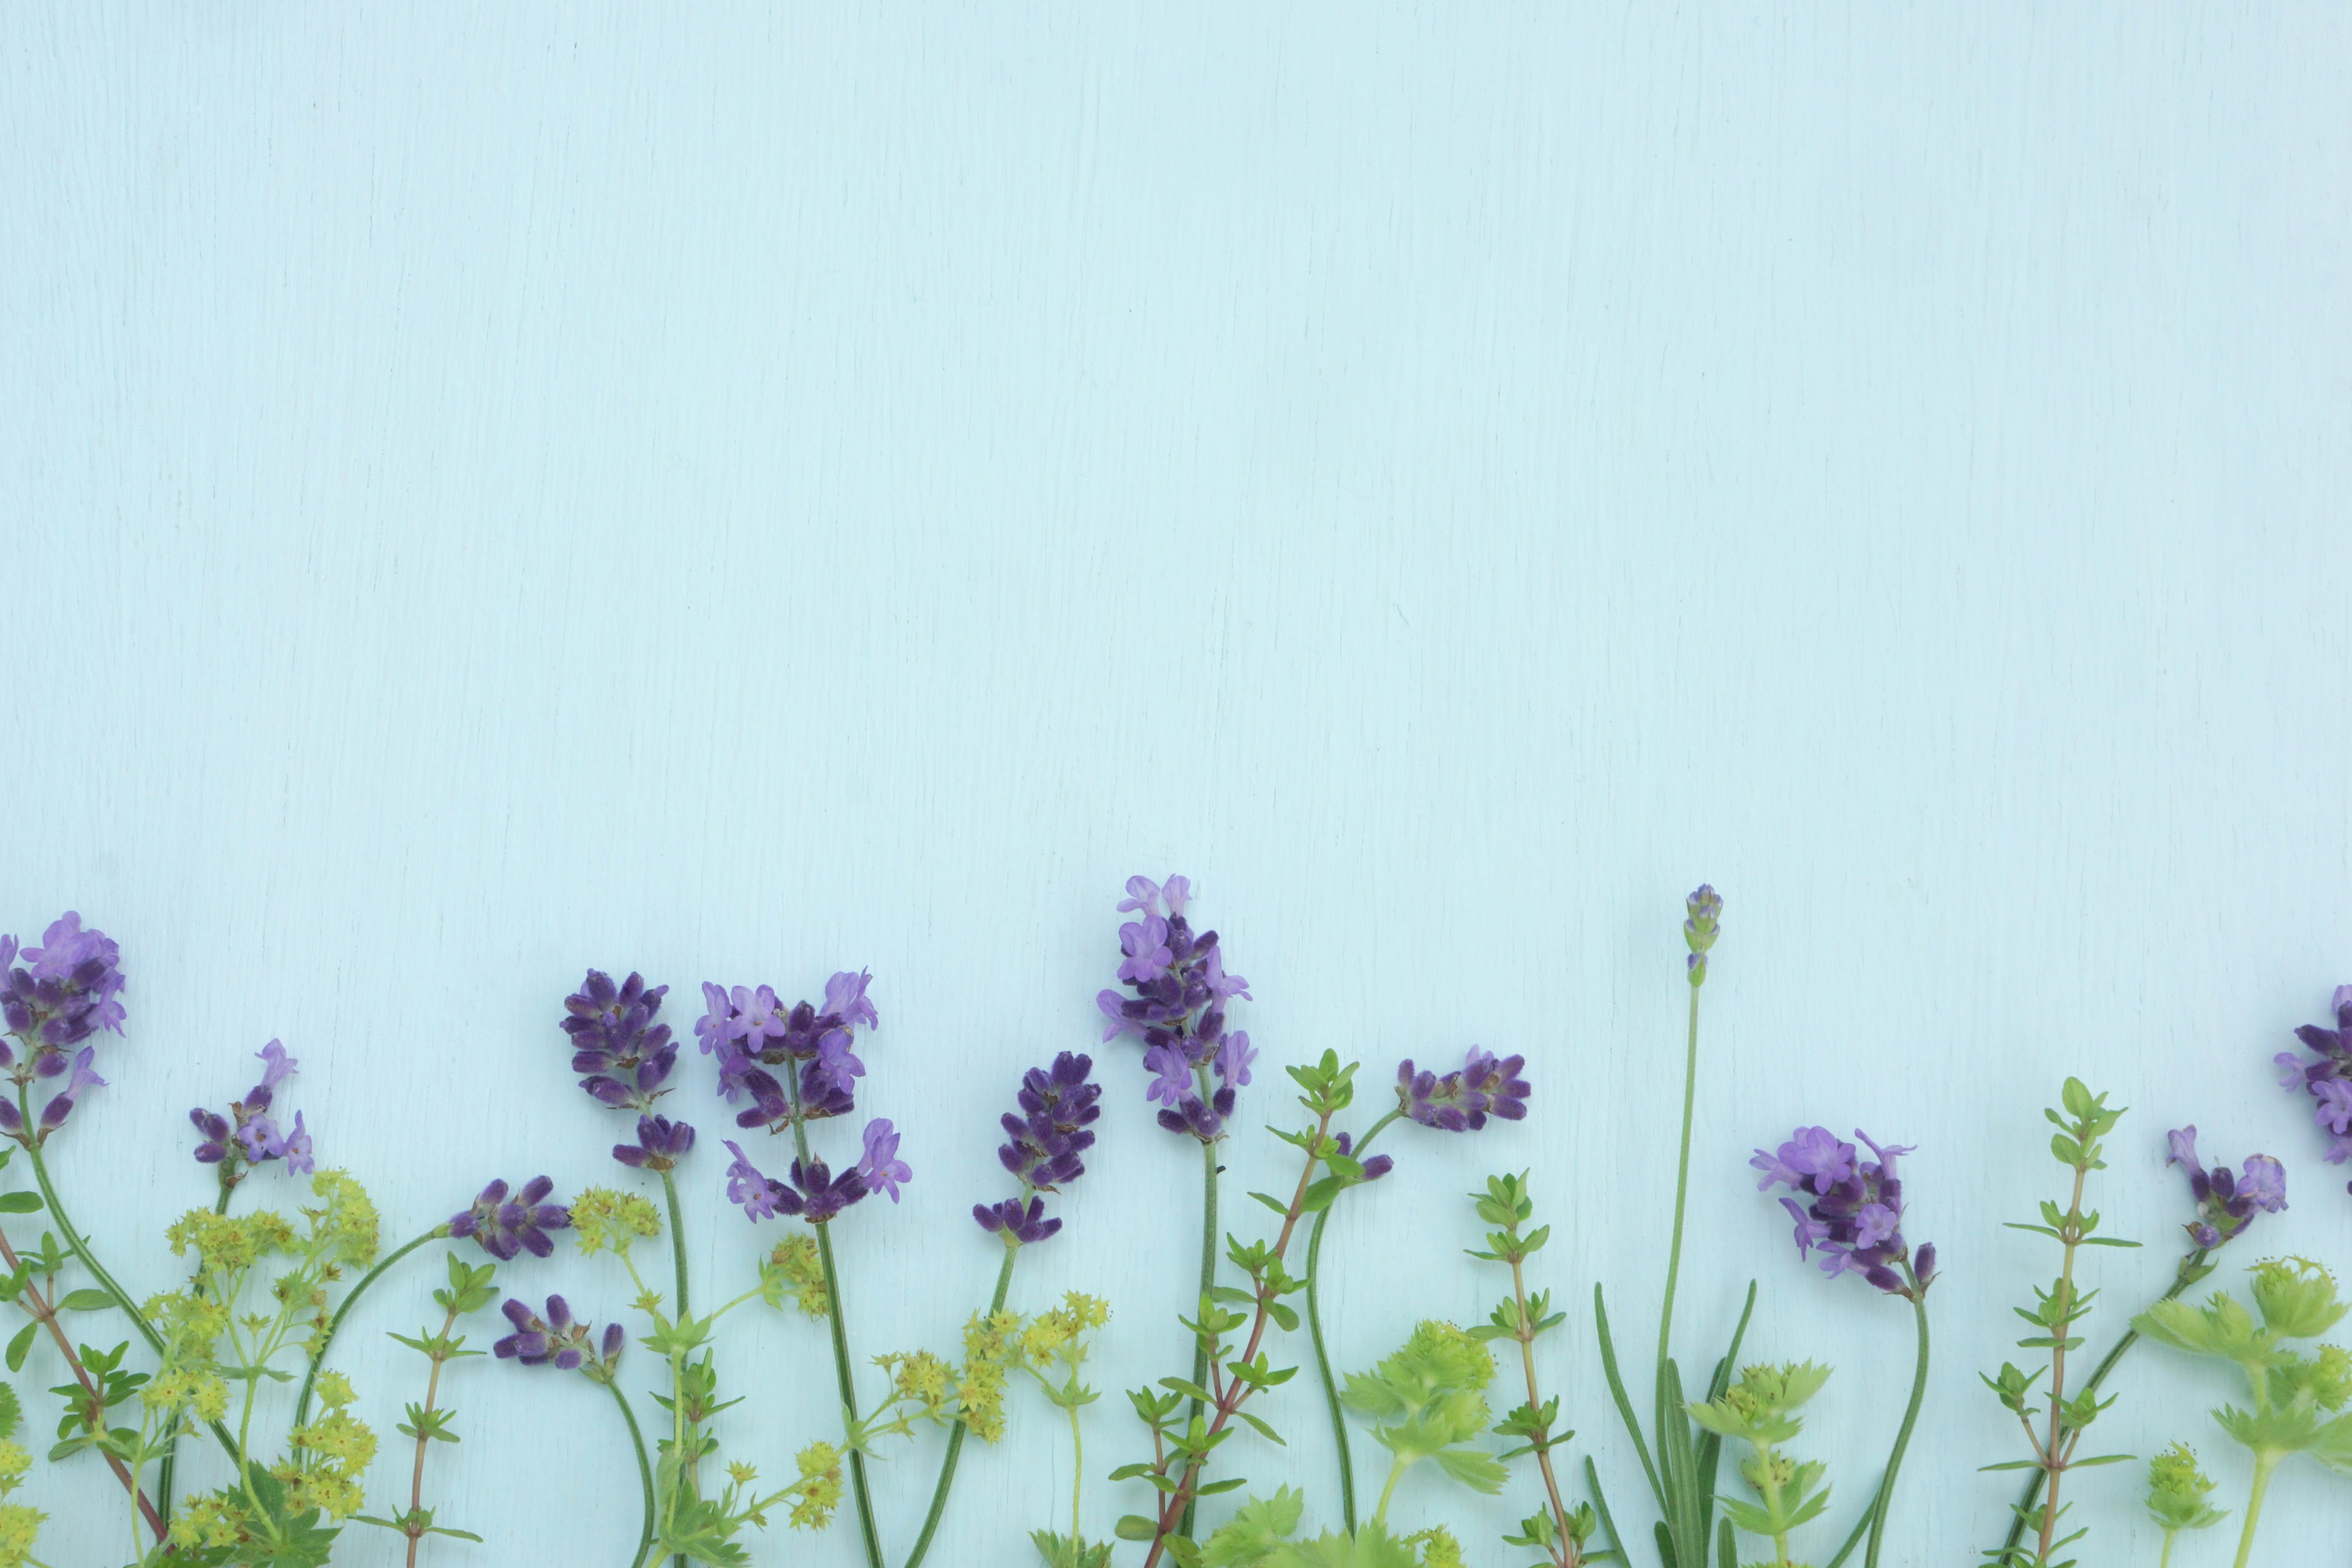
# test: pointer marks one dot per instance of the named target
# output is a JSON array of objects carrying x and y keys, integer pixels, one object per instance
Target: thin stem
[
  {"x": 1208, "y": 1274},
  {"x": 170, "y": 1462},
  {"x": 644, "y": 1475},
  {"x": 1396, "y": 1474},
  {"x": 424, "y": 1440},
  {"x": 956, "y": 1433},
  {"x": 842, "y": 1374},
  {"x": 688, "y": 1454},
  {"x": 2192, "y": 1268},
  {"x": 1077, "y": 1468},
  {"x": 2165, "y": 1561},
  {"x": 677, "y": 1240},
  {"x": 1884, "y": 1503},
  {"x": 79, "y": 1247},
  {"x": 1322, "y": 1355},
  {"x": 319, "y": 1355},
  {"x": 2265, "y": 1461},
  {"x": 1682, "y": 1181},
  {"x": 1567, "y": 1554},
  {"x": 2053, "y": 1458}
]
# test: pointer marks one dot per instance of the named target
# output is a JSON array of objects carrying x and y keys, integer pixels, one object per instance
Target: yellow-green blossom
[{"x": 603, "y": 1218}]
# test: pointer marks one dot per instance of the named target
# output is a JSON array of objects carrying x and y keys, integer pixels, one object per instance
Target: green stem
[
  {"x": 172, "y": 1428},
  {"x": 1208, "y": 1283},
  {"x": 319, "y": 1356},
  {"x": 677, "y": 1240},
  {"x": 1682, "y": 1181},
  {"x": 2265, "y": 1461},
  {"x": 2165, "y": 1561},
  {"x": 2192, "y": 1268},
  {"x": 1396, "y": 1474},
  {"x": 80, "y": 1247},
  {"x": 1884, "y": 1503},
  {"x": 1322, "y": 1355},
  {"x": 688, "y": 1451},
  {"x": 1077, "y": 1467},
  {"x": 644, "y": 1476},
  {"x": 840, "y": 1330},
  {"x": 955, "y": 1432}
]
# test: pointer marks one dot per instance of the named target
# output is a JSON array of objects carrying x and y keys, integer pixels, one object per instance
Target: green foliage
[
  {"x": 1427, "y": 1402},
  {"x": 2177, "y": 1490},
  {"x": 1759, "y": 1410},
  {"x": 1260, "y": 1536},
  {"x": 1070, "y": 1551}
]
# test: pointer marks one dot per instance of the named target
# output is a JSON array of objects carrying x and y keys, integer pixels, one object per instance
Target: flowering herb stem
[
  {"x": 170, "y": 1462},
  {"x": 1208, "y": 1276},
  {"x": 1682, "y": 1181},
  {"x": 2265, "y": 1461},
  {"x": 956, "y": 1433},
  {"x": 689, "y": 1454},
  {"x": 1233, "y": 1391},
  {"x": 1884, "y": 1503},
  {"x": 840, "y": 1330},
  {"x": 2193, "y": 1267},
  {"x": 44, "y": 1312},
  {"x": 319, "y": 1355},
  {"x": 1322, "y": 1354},
  {"x": 645, "y": 1477},
  {"x": 1565, "y": 1541}
]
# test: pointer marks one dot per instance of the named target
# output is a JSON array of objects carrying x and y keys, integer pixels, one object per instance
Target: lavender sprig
[
  {"x": 248, "y": 1137},
  {"x": 2327, "y": 1079},
  {"x": 67, "y": 991}
]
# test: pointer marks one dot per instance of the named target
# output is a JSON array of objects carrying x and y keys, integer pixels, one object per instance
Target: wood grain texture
[{"x": 737, "y": 493}]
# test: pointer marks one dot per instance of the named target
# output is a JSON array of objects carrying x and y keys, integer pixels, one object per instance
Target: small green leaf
[{"x": 20, "y": 1347}]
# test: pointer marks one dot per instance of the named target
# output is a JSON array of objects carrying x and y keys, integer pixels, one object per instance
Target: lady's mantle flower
[
  {"x": 622, "y": 1055},
  {"x": 661, "y": 1144},
  {"x": 1048, "y": 1133},
  {"x": 2226, "y": 1204},
  {"x": 559, "y": 1341},
  {"x": 508, "y": 1227},
  {"x": 2326, "y": 1079},
  {"x": 749, "y": 1033},
  {"x": 1463, "y": 1100},
  {"x": 1178, "y": 1009},
  {"x": 249, "y": 1135},
  {"x": 1854, "y": 1209}
]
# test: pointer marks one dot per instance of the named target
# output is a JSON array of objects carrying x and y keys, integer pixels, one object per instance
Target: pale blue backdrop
[{"x": 738, "y": 493}]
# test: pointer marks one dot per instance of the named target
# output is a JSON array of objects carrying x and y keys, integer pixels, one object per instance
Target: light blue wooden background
[{"x": 733, "y": 494}]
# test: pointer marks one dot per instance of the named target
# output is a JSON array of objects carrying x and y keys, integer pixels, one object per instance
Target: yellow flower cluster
[
  {"x": 919, "y": 1377},
  {"x": 19, "y": 1527},
  {"x": 1059, "y": 1333},
  {"x": 990, "y": 1348},
  {"x": 819, "y": 1488},
  {"x": 337, "y": 1449},
  {"x": 195, "y": 1388},
  {"x": 1438, "y": 1548},
  {"x": 344, "y": 1228},
  {"x": 230, "y": 1245},
  {"x": 793, "y": 1266},
  {"x": 211, "y": 1520},
  {"x": 603, "y": 1218}
]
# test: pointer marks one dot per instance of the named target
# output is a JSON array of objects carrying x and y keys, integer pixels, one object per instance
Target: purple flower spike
[
  {"x": 1178, "y": 990},
  {"x": 249, "y": 1135},
  {"x": 557, "y": 1340},
  {"x": 816, "y": 1194},
  {"x": 661, "y": 1144},
  {"x": 881, "y": 1170},
  {"x": 2325, "y": 1078},
  {"x": 1049, "y": 1130},
  {"x": 2226, "y": 1205},
  {"x": 623, "y": 1055},
  {"x": 1018, "y": 1224},
  {"x": 507, "y": 1227},
  {"x": 68, "y": 990},
  {"x": 1463, "y": 1100},
  {"x": 1848, "y": 1209},
  {"x": 763, "y": 1052}
]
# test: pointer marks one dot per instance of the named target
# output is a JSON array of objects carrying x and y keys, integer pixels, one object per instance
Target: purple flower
[
  {"x": 1848, "y": 1209},
  {"x": 661, "y": 1144},
  {"x": 1234, "y": 1058},
  {"x": 1180, "y": 989},
  {"x": 557, "y": 1340},
  {"x": 767, "y": 1054},
  {"x": 816, "y": 1194},
  {"x": 2325, "y": 1078},
  {"x": 1704, "y": 911},
  {"x": 248, "y": 1135},
  {"x": 507, "y": 1227},
  {"x": 1017, "y": 1223},
  {"x": 756, "y": 1193},
  {"x": 881, "y": 1169},
  {"x": 54, "y": 1114},
  {"x": 1461, "y": 1101},
  {"x": 622, "y": 1055},
  {"x": 2335, "y": 1112},
  {"x": 67, "y": 991},
  {"x": 2226, "y": 1205},
  {"x": 1376, "y": 1167}
]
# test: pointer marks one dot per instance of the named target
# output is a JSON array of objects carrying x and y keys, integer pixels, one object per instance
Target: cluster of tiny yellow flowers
[
  {"x": 819, "y": 1488},
  {"x": 189, "y": 1325},
  {"x": 344, "y": 1228},
  {"x": 603, "y": 1219},
  {"x": 990, "y": 1347},
  {"x": 211, "y": 1520},
  {"x": 794, "y": 1266},
  {"x": 1061, "y": 1332},
  {"x": 19, "y": 1525},
  {"x": 1438, "y": 1548},
  {"x": 225, "y": 1245},
  {"x": 336, "y": 1451}
]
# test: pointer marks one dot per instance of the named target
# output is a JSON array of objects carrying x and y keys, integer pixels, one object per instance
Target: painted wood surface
[{"x": 736, "y": 494}]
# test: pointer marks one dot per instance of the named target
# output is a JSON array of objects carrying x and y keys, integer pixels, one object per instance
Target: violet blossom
[
  {"x": 67, "y": 990},
  {"x": 814, "y": 1192},
  {"x": 507, "y": 1226},
  {"x": 2328, "y": 1079},
  {"x": 1048, "y": 1130},
  {"x": 661, "y": 1144},
  {"x": 1851, "y": 1209},
  {"x": 249, "y": 1134},
  {"x": 2226, "y": 1204},
  {"x": 1461, "y": 1100},
  {"x": 1178, "y": 1009},
  {"x": 559, "y": 1339},
  {"x": 749, "y": 1034},
  {"x": 622, "y": 1055}
]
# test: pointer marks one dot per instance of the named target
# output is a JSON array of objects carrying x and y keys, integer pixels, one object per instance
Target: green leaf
[
  {"x": 90, "y": 1300},
  {"x": 20, "y": 1347},
  {"x": 1135, "y": 1527},
  {"x": 20, "y": 1203}
]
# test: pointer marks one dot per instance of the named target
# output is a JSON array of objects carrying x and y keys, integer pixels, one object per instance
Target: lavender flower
[
  {"x": 881, "y": 1169},
  {"x": 1376, "y": 1167},
  {"x": 1851, "y": 1209},
  {"x": 1178, "y": 1009},
  {"x": 67, "y": 991},
  {"x": 1705, "y": 912},
  {"x": 557, "y": 1340},
  {"x": 1048, "y": 1133},
  {"x": 508, "y": 1227},
  {"x": 622, "y": 1055},
  {"x": 745, "y": 1030},
  {"x": 1463, "y": 1100},
  {"x": 661, "y": 1144},
  {"x": 2226, "y": 1204},
  {"x": 2326, "y": 1079},
  {"x": 248, "y": 1135},
  {"x": 815, "y": 1193}
]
